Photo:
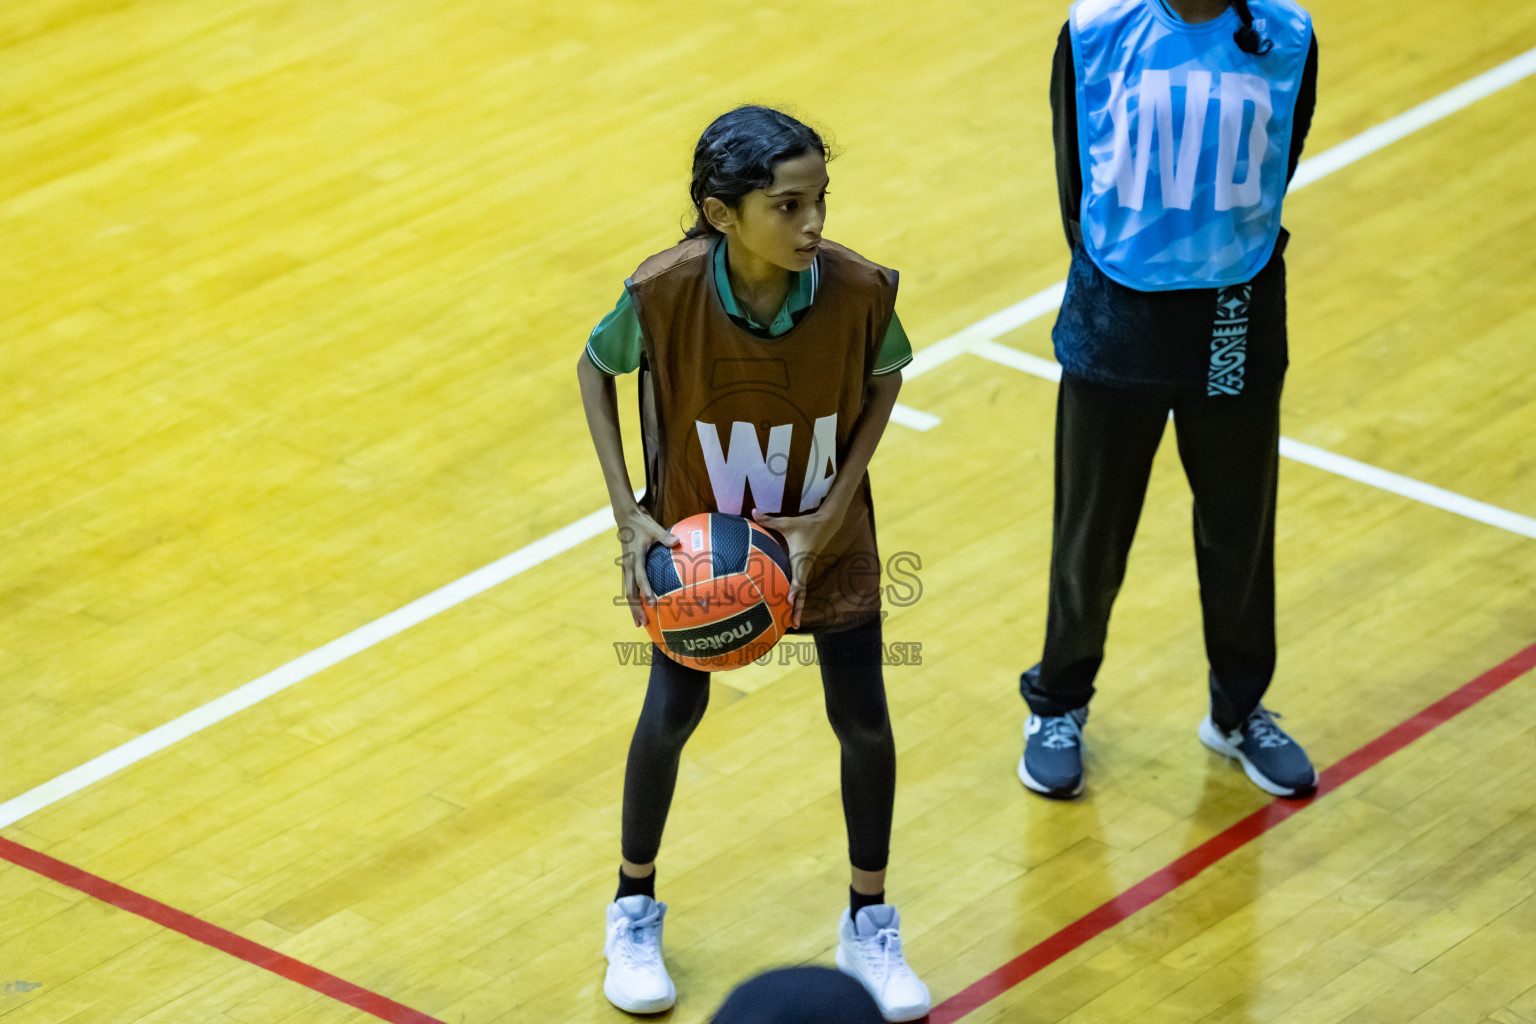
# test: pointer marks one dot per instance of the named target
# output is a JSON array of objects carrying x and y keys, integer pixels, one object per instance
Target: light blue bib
[{"x": 1184, "y": 139}]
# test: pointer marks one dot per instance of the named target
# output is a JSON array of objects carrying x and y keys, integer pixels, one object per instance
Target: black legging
[{"x": 855, "y": 691}]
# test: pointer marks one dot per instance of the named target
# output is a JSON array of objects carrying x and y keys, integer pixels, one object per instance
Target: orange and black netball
[{"x": 722, "y": 595}]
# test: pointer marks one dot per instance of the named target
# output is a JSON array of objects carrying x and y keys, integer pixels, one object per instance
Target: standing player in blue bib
[{"x": 1178, "y": 125}]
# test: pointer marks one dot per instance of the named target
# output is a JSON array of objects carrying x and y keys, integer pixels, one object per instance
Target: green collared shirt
[{"x": 614, "y": 346}]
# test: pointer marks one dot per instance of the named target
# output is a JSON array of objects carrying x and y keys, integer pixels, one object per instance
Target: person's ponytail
[{"x": 1247, "y": 37}]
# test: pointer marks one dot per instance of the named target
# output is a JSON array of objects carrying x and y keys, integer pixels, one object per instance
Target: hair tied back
[
  {"x": 737, "y": 154},
  {"x": 1247, "y": 37}
]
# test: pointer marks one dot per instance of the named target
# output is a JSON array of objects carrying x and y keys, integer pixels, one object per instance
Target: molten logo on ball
[{"x": 724, "y": 604}]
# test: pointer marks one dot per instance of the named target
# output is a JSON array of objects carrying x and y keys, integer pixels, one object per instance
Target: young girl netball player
[
  {"x": 769, "y": 362},
  {"x": 1178, "y": 124}
]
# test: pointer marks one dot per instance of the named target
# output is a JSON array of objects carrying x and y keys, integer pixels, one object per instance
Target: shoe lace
[
  {"x": 884, "y": 951},
  {"x": 1061, "y": 732},
  {"x": 1265, "y": 732},
  {"x": 637, "y": 939}
]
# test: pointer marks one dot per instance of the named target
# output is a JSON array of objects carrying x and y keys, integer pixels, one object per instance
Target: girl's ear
[{"x": 718, "y": 214}]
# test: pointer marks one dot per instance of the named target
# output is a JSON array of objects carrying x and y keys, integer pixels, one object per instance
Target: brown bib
[{"x": 732, "y": 422}]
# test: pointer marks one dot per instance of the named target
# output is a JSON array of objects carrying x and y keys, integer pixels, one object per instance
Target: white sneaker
[
  {"x": 869, "y": 949},
  {"x": 637, "y": 980}
]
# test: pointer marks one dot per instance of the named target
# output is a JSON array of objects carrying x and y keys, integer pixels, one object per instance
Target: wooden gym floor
[{"x": 289, "y": 304}]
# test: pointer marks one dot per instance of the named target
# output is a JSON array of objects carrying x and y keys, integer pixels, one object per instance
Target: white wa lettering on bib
[
  {"x": 1178, "y": 158},
  {"x": 745, "y": 462}
]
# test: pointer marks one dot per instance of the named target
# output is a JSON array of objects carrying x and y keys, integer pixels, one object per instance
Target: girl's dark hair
[
  {"x": 1248, "y": 39},
  {"x": 737, "y": 154}
]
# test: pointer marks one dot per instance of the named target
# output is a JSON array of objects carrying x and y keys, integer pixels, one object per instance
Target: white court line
[
  {"x": 1410, "y": 121},
  {"x": 1408, "y": 487},
  {"x": 306, "y": 665},
  {"x": 1362, "y": 472},
  {"x": 1050, "y": 369},
  {"x": 930, "y": 357},
  {"x": 977, "y": 337},
  {"x": 914, "y": 418}
]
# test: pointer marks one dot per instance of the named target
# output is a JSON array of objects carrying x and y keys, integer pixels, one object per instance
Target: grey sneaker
[
  {"x": 1275, "y": 762},
  {"x": 1052, "y": 764}
]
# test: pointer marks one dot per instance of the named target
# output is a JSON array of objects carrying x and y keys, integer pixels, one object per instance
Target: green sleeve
[
  {"x": 895, "y": 350},
  {"x": 614, "y": 345}
]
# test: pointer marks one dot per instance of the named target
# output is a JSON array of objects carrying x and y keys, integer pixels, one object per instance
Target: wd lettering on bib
[
  {"x": 1184, "y": 140},
  {"x": 1242, "y": 103}
]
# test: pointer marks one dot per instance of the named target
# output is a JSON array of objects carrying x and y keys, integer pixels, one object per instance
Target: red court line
[
  {"x": 1162, "y": 882},
  {"x": 1096, "y": 922},
  {"x": 212, "y": 935}
]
